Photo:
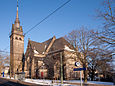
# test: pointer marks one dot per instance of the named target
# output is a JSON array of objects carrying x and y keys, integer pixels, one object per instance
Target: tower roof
[
  {"x": 17, "y": 22},
  {"x": 16, "y": 28}
]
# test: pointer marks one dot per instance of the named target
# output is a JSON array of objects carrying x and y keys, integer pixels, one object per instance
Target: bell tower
[{"x": 16, "y": 46}]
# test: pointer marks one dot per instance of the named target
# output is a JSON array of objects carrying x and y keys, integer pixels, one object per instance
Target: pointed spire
[
  {"x": 17, "y": 10},
  {"x": 17, "y": 22}
]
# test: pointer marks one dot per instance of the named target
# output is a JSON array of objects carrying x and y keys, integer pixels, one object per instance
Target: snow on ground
[
  {"x": 8, "y": 77},
  {"x": 91, "y": 82},
  {"x": 50, "y": 82},
  {"x": 46, "y": 82},
  {"x": 97, "y": 82}
]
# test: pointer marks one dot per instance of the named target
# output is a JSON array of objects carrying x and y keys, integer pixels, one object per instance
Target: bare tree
[
  {"x": 95, "y": 52},
  {"x": 1, "y": 63},
  {"x": 4, "y": 61},
  {"x": 107, "y": 14},
  {"x": 82, "y": 42},
  {"x": 99, "y": 62}
]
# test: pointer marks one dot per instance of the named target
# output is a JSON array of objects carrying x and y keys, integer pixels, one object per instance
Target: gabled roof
[
  {"x": 40, "y": 47},
  {"x": 58, "y": 44}
]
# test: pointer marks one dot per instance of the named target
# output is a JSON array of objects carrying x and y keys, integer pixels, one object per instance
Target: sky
[{"x": 72, "y": 16}]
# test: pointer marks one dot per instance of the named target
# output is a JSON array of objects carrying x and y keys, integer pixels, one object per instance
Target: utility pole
[
  {"x": 61, "y": 67},
  {"x": 10, "y": 71}
]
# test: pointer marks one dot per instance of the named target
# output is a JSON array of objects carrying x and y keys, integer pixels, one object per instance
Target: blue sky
[{"x": 72, "y": 16}]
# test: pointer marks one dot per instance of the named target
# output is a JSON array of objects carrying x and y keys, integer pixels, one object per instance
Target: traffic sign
[
  {"x": 79, "y": 69},
  {"x": 77, "y": 64}
]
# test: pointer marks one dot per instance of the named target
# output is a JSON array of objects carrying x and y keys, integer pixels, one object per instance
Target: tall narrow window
[
  {"x": 16, "y": 38},
  {"x": 20, "y": 39}
]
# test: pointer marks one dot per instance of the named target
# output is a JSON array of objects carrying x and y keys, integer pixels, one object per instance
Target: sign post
[
  {"x": 81, "y": 78},
  {"x": 79, "y": 69}
]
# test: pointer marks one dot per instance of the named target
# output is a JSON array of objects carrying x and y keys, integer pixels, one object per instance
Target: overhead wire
[
  {"x": 47, "y": 17},
  {"x": 42, "y": 20}
]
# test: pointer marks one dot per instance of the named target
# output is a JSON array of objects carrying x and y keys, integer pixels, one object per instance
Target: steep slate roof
[
  {"x": 40, "y": 47},
  {"x": 60, "y": 44},
  {"x": 57, "y": 45}
]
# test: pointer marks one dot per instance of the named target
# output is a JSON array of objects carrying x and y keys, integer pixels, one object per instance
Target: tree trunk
[
  {"x": 92, "y": 75},
  {"x": 85, "y": 76},
  {"x": 85, "y": 73}
]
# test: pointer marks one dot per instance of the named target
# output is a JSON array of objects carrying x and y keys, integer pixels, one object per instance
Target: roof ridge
[
  {"x": 34, "y": 41},
  {"x": 48, "y": 40}
]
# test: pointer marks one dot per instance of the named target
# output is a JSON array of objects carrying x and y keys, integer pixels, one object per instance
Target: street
[{"x": 7, "y": 82}]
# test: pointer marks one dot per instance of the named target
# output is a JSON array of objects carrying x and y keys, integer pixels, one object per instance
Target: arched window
[
  {"x": 16, "y": 38},
  {"x": 20, "y": 39}
]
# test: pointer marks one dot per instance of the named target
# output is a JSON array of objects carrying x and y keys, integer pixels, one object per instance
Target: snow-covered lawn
[
  {"x": 57, "y": 82},
  {"x": 8, "y": 77},
  {"x": 46, "y": 82},
  {"x": 91, "y": 82},
  {"x": 97, "y": 82},
  {"x": 49, "y": 82}
]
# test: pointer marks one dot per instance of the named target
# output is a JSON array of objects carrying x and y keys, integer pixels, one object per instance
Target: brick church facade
[{"x": 41, "y": 60}]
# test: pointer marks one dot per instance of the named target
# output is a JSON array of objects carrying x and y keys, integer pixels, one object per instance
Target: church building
[
  {"x": 49, "y": 59},
  {"x": 44, "y": 60}
]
